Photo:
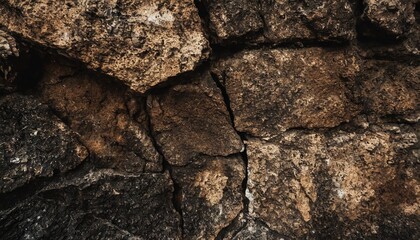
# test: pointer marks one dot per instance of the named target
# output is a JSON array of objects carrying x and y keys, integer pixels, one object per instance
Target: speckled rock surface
[
  {"x": 33, "y": 143},
  {"x": 271, "y": 21},
  {"x": 139, "y": 42},
  {"x": 110, "y": 120},
  {"x": 191, "y": 119},
  {"x": 341, "y": 182},
  {"x": 8, "y": 49},
  {"x": 210, "y": 194},
  {"x": 98, "y": 205},
  {"x": 291, "y": 89}
]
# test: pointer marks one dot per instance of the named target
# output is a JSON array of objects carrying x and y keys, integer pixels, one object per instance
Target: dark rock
[
  {"x": 210, "y": 194},
  {"x": 33, "y": 143},
  {"x": 8, "y": 49},
  {"x": 111, "y": 122},
  {"x": 190, "y": 120},
  {"x": 98, "y": 205},
  {"x": 141, "y": 43},
  {"x": 274, "y": 90}
]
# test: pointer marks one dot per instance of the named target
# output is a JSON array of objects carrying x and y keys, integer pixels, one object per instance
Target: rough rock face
[
  {"x": 33, "y": 143},
  {"x": 8, "y": 49},
  {"x": 295, "y": 88},
  {"x": 98, "y": 205},
  {"x": 191, "y": 119},
  {"x": 211, "y": 194},
  {"x": 139, "y": 42},
  {"x": 321, "y": 19},
  {"x": 298, "y": 179},
  {"x": 111, "y": 122}
]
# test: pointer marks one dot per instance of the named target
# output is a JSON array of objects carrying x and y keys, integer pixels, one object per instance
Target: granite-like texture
[
  {"x": 139, "y": 42},
  {"x": 33, "y": 143},
  {"x": 191, "y": 119},
  {"x": 111, "y": 121}
]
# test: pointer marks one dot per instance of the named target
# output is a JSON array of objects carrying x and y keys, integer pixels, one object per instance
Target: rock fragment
[
  {"x": 212, "y": 187},
  {"x": 191, "y": 119},
  {"x": 271, "y": 91},
  {"x": 33, "y": 143},
  {"x": 139, "y": 42},
  {"x": 98, "y": 205},
  {"x": 337, "y": 183},
  {"x": 110, "y": 120}
]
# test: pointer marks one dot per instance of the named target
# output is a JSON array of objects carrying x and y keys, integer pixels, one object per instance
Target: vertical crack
[{"x": 177, "y": 193}]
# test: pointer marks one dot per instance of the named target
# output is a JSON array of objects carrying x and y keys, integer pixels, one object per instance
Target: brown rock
[
  {"x": 190, "y": 120},
  {"x": 339, "y": 183},
  {"x": 389, "y": 87},
  {"x": 211, "y": 194},
  {"x": 98, "y": 205},
  {"x": 274, "y": 90},
  {"x": 33, "y": 143},
  {"x": 281, "y": 21},
  {"x": 139, "y": 42},
  {"x": 111, "y": 122}
]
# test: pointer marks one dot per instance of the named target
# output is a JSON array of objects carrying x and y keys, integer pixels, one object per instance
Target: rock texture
[
  {"x": 139, "y": 42},
  {"x": 191, "y": 119},
  {"x": 291, "y": 89},
  {"x": 98, "y": 205},
  {"x": 209, "y": 119},
  {"x": 33, "y": 143},
  {"x": 111, "y": 121},
  {"x": 300, "y": 179}
]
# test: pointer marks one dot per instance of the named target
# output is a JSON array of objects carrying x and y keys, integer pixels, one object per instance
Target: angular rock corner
[{"x": 204, "y": 119}]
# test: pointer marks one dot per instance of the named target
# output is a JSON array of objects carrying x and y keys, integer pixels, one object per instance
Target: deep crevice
[{"x": 167, "y": 167}]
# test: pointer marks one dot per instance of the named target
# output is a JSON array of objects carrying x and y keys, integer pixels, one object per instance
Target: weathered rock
[
  {"x": 210, "y": 194},
  {"x": 274, "y": 90},
  {"x": 111, "y": 122},
  {"x": 321, "y": 19},
  {"x": 33, "y": 143},
  {"x": 387, "y": 87},
  {"x": 139, "y": 42},
  {"x": 99, "y": 205},
  {"x": 190, "y": 120},
  {"x": 388, "y": 17},
  {"x": 339, "y": 183},
  {"x": 8, "y": 49}
]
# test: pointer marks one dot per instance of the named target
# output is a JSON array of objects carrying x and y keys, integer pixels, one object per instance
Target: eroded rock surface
[
  {"x": 33, "y": 143},
  {"x": 98, "y": 205},
  {"x": 348, "y": 183},
  {"x": 191, "y": 119},
  {"x": 210, "y": 194},
  {"x": 110, "y": 120},
  {"x": 292, "y": 88},
  {"x": 271, "y": 21},
  {"x": 139, "y": 42}
]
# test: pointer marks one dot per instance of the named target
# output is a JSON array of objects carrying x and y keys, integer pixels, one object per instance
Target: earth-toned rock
[
  {"x": 274, "y": 90},
  {"x": 271, "y": 21},
  {"x": 337, "y": 183},
  {"x": 33, "y": 143},
  {"x": 98, "y": 205},
  {"x": 111, "y": 122},
  {"x": 210, "y": 194},
  {"x": 139, "y": 42},
  {"x": 191, "y": 119},
  {"x": 8, "y": 49}
]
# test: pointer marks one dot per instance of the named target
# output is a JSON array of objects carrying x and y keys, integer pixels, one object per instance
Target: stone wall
[{"x": 209, "y": 119}]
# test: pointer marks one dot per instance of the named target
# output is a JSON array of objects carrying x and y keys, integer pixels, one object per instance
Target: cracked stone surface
[
  {"x": 191, "y": 119},
  {"x": 320, "y": 19},
  {"x": 111, "y": 122},
  {"x": 210, "y": 194},
  {"x": 8, "y": 49},
  {"x": 98, "y": 205},
  {"x": 33, "y": 143},
  {"x": 337, "y": 183},
  {"x": 292, "y": 88},
  {"x": 141, "y": 43}
]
